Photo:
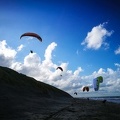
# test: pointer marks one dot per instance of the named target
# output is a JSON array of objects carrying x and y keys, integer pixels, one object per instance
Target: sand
[
  {"x": 67, "y": 109},
  {"x": 87, "y": 110}
]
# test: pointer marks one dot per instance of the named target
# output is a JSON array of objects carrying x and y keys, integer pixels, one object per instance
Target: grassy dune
[
  {"x": 21, "y": 95},
  {"x": 17, "y": 82}
]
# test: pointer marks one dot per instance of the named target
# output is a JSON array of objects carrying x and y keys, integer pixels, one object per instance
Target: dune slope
[{"x": 20, "y": 95}]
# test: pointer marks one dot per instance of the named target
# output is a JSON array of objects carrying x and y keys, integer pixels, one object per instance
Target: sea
[{"x": 114, "y": 99}]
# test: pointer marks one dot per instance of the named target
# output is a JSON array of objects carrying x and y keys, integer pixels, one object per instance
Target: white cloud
[
  {"x": 117, "y": 51},
  {"x": 77, "y": 52},
  {"x": 77, "y": 72},
  {"x": 32, "y": 60},
  {"x": 117, "y": 64},
  {"x": 6, "y": 50},
  {"x": 48, "y": 56},
  {"x": 70, "y": 81},
  {"x": 7, "y": 54},
  {"x": 96, "y": 38},
  {"x": 19, "y": 48},
  {"x": 48, "y": 51}
]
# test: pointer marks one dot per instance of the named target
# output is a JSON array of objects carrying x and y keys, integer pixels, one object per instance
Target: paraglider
[
  {"x": 32, "y": 35},
  {"x": 59, "y": 68},
  {"x": 75, "y": 93},
  {"x": 86, "y": 88},
  {"x": 96, "y": 82}
]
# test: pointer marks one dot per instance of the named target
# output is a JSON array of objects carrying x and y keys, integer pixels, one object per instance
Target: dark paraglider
[
  {"x": 59, "y": 68},
  {"x": 86, "y": 88},
  {"x": 32, "y": 35},
  {"x": 75, "y": 93}
]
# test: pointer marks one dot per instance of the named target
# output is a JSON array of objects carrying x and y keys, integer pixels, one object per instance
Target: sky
[{"x": 81, "y": 36}]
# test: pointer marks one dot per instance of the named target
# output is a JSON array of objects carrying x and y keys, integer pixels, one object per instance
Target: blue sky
[{"x": 82, "y": 36}]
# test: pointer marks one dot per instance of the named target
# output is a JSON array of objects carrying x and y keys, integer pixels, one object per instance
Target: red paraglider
[
  {"x": 86, "y": 88},
  {"x": 32, "y": 35}
]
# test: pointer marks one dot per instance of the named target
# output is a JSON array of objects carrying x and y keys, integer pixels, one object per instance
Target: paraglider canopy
[
  {"x": 75, "y": 93},
  {"x": 100, "y": 79},
  {"x": 59, "y": 68},
  {"x": 96, "y": 82},
  {"x": 86, "y": 88},
  {"x": 32, "y": 35}
]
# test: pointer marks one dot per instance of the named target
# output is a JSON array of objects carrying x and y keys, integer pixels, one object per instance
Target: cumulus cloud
[
  {"x": 76, "y": 73},
  {"x": 7, "y": 54},
  {"x": 48, "y": 56},
  {"x": 117, "y": 64},
  {"x": 45, "y": 71},
  {"x": 117, "y": 51},
  {"x": 96, "y": 37},
  {"x": 19, "y": 48}
]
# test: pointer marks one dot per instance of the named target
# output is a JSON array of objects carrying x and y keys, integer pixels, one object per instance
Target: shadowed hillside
[
  {"x": 14, "y": 82},
  {"x": 20, "y": 93}
]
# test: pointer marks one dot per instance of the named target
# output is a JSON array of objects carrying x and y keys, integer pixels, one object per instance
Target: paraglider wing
[
  {"x": 59, "y": 68},
  {"x": 32, "y": 35},
  {"x": 87, "y": 88},
  {"x": 75, "y": 93},
  {"x": 95, "y": 84},
  {"x": 83, "y": 89},
  {"x": 100, "y": 79}
]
